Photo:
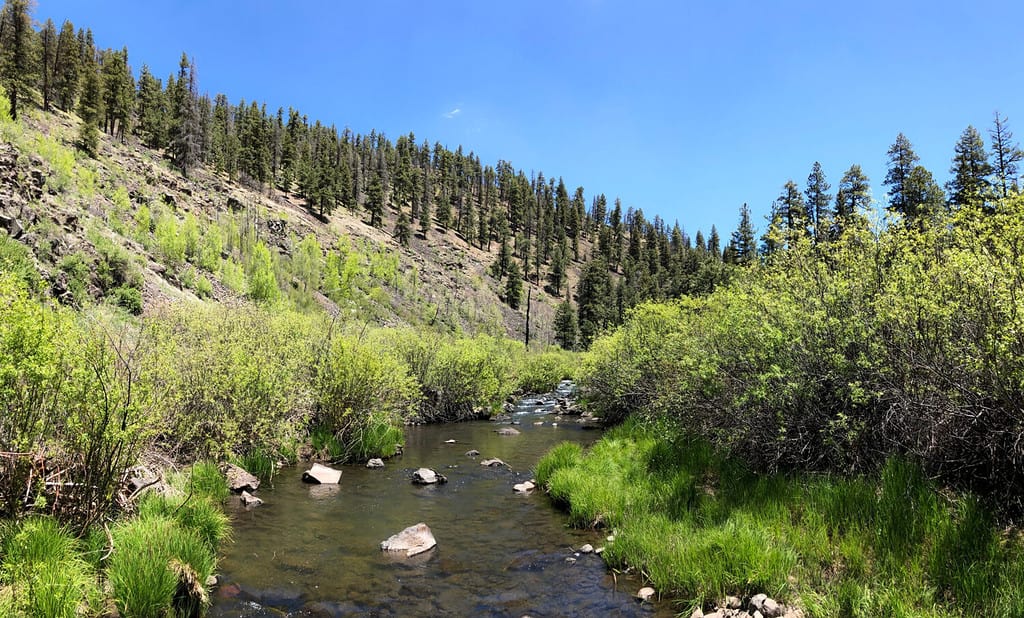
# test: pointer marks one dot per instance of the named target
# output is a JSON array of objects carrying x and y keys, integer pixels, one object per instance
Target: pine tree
[
  {"x": 403, "y": 231},
  {"x": 565, "y": 327},
  {"x": 17, "y": 70},
  {"x": 594, "y": 300},
  {"x": 152, "y": 109},
  {"x": 375, "y": 201},
  {"x": 714, "y": 244},
  {"x": 852, "y": 198},
  {"x": 90, "y": 109},
  {"x": 185, "y": 126},
  {"x": 66, "y": 67},
  {"x": 902, "y": 159},
  {"x": 969, "y": 185},
  {"x": 514, "y": 285},
  {"x": 742, "y": 244},
  {"x": 118, "y": 93},
  {"x": 818, "y": 202},
  {"x": 48, "y": 64},
  {"x": 924, "y": 197},
  {"x": 793, "y": 211},
  {"x": 1006, "y": 154}
]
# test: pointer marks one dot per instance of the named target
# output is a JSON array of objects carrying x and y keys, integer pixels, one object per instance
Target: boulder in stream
[
  {"x": 322, "y": 474},
  {"x": 426, "y": 476},
  {"x": 376, "y": 462},
  {"x": 472, "y": 453},
  {"x": 250, "y": 500},
  {"x": 411, "y": 541},
  {"x": 492, "y": 463},
  {"x": 238, "y": 479},
  {"x": 523, "y": 488},
  {"x": 507, "y": 431}
]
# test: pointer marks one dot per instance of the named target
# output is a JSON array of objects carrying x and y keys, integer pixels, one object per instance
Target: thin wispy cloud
[{"x": 452, "y": 114}]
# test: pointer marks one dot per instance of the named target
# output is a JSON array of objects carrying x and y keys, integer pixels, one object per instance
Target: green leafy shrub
[
  {"x": 16, "y": 258},
  {"x": 234, "y": 379},
  {"x": 76, "y": 266},
  {"x": 129, "y": 298},
  {"x": 262, "y": 282},
  {"x": 363, "y": 396},
  {"x": 540, "y": 372}
]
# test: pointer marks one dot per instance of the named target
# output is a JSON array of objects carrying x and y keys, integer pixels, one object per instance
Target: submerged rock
[
  {"x": 322, "y": 474},
  {"x": 250, "y": 500},
  {"x": 239, "y": 480},
  {"x": 426, "y": 476},
  {"x": 376, "y": 462},
  {"x": 411, "y": 541},
  {"x": 507, "y": 431}
]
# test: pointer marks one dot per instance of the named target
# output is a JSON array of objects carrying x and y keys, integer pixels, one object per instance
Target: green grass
[
  {"x": 152, "y": 553},
  {"x": 700, "y": 527},
  {"x": 44, "y": 573},
  {"x": 258, "y": 462}
]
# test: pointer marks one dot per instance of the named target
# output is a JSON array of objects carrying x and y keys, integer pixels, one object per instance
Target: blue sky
[{"x": 684, "y": 109}]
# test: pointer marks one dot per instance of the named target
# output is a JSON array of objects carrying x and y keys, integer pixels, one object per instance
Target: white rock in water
[
  {"x": 645, "y": 594},
  {"x": 587, "y": 549},
  {"x": 411, "y": 541},
  {"x": 322, "y": 474},
  {"x": 426, "y": 476},
  {"x": 472, "y": 453},
  {"x": 490, "y": 463},
  {"x": 449, "y": 441},
  {"x": 524, "y": 487},
  {"x": 376, "y": 462}
]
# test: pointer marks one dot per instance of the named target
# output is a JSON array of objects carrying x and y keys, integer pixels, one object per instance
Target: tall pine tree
[{"x": 969, "y": 185}]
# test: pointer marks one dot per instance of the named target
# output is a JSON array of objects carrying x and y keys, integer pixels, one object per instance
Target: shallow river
[{"x": 314, "y": 550}]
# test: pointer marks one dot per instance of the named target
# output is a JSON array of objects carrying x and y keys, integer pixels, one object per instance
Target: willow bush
[{"x": 837, "y": 355}]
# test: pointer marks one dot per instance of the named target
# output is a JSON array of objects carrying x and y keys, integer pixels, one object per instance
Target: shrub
[
  {"x": 77, "y": 267},
  {"x": 16, "y": 258},
  {"x": 362, "y": 396},
  {"x": 234, "y": 379}
]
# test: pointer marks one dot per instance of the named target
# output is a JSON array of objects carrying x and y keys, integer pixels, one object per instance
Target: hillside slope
[{"x": 62, "y": 205}]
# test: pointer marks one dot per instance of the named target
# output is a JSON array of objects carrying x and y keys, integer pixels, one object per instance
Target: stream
[{"x": 314, "y": 550}]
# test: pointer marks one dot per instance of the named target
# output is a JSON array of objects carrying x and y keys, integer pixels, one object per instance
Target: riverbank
[{"x": 701, "y": 527}]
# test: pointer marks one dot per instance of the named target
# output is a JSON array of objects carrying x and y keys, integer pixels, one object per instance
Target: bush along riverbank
[
  {"x": 839, "y": 425},
  {"x": 87, "y": 394},
  {"x": 701, "y": 527}
]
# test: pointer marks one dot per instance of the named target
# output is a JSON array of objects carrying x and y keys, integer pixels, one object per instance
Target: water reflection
[{"x": 315, "y": 550}]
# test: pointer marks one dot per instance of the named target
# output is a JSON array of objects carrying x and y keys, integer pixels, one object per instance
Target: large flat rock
[
  {"x": 322, "y": 474},
  {"x": 411, "y": 541}
]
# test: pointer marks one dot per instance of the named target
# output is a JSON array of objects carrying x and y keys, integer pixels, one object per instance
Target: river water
[{"x": 314, "y": 550}]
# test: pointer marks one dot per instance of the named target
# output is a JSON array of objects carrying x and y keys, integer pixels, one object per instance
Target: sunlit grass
[{"x": 700, "y": 527}]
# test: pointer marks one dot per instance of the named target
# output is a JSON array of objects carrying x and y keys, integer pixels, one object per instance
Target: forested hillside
[{"x": 531, "y": 231}]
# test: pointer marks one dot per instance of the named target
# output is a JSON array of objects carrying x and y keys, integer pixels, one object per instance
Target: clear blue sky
[{"x": 685, "y": 109}]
